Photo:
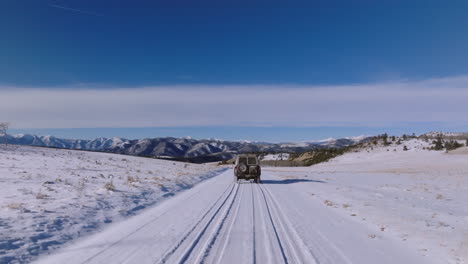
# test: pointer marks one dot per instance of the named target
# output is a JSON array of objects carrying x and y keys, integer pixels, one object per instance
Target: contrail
[{"x": 75, "y": 10}]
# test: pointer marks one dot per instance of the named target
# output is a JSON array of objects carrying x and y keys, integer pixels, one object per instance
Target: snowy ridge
[
  {"x": 181, "y": 148},
  {"x": 458, "y": 135}
]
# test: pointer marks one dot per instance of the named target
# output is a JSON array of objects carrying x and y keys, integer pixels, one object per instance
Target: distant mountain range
[{"x": 187, "y": 149}]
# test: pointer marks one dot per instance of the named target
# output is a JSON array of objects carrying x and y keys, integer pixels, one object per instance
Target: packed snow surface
[
  {"x": 379, "y": 205},
  {"x": 51, "y": 196}
]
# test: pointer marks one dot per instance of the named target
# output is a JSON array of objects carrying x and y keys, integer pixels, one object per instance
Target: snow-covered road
[{"x": 219, "y": 221}]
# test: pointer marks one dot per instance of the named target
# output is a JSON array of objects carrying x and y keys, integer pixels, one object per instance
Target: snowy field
[
  {"x": 379, "y": 205},
  {"x": 51, "y": 196},
  {"x": 418, "y": 197}
]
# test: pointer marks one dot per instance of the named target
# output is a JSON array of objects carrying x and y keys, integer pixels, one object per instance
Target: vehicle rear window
[
  {"x": 252, "y": 161},
  {"x": 242, "y": 160}
]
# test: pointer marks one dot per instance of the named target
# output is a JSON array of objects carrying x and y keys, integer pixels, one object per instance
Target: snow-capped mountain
[
  {"x": 99, "y": 144},
  {"x": 181, "y": 148}
]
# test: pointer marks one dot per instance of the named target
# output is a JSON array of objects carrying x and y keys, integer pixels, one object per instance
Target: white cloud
[{"x": 379, "y": 104}]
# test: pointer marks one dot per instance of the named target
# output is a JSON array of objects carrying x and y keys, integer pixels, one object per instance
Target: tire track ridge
[
  {"x": 253, "y": 228},
  {"x": 229, "y": 232},
  {"x": 170, "y": 252},
  {"x": 197, "y": 239},
  {"x": 219, "y": 226},
  {"x": 294, "y": 241},
  {"x": 285, "y": 259},
  {"x": 138, "y": 229}
]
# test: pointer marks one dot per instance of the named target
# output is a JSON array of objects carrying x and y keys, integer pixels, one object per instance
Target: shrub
[
  {"x": 452, "y": 144},
  {"x": 322, "y": 155},
  {"x": 109, "y": 186}
]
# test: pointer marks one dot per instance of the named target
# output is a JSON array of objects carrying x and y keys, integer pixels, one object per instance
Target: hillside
[
  {"x": 446, "y": 135},
  {"x": 416, "y": 196},
  {"x": 51, "y": 196}
]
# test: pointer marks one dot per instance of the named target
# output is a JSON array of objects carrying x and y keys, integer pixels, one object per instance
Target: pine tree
[
  {"x": 3, "y": 132},
  {"x": 466, "y": 143},
  {"x": 438, "y": 143},
  {"x": 385, "y": 139}
]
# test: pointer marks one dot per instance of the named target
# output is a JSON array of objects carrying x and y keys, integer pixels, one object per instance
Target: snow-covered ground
[
  {"x": 222, "y": 222},
  {"x": 371, "y": 206},
  {"x": 51, "y": 196},
  {"x": 380, "y": 204},
  {"x": 278, "y": 156},
  {"x": 417, "y": 197}
]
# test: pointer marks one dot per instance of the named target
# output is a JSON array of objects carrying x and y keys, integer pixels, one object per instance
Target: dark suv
[{"x": 247, "y": 167}]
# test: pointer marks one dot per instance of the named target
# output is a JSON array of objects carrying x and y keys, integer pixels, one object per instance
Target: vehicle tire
[{"x": 243, "y": 168}]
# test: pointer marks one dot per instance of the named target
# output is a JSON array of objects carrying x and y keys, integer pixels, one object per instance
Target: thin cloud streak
[
  {"x": 75, "y": 10},
  {"x": 384, "y": 104}
]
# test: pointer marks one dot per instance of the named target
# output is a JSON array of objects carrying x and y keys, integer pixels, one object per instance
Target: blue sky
[{"x": 322, "y": 64}]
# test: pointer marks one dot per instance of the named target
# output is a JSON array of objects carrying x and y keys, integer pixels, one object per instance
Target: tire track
[
  {"x": 229, "y": 229},
  {"x": 229, "y": 190},
  {"x": 283, "y": 254},
  {"x": 253, "y": 227},
  {"x": 321, "y": 247},
  {"x": 88, "y": 260},
  {"x": 268, "y": 250},
  {"x": 206, "y": 249},
  {"x": 198, "y": 238},
  {"x": 294, "y": 250}
]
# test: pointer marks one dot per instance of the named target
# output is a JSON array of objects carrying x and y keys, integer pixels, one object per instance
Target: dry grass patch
[
  {"x": 132, "y": 180},
  {"x": 109, "y": 186},
  {"x": 41, "y": 195},
  {"x": 15, "y": 206}
]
